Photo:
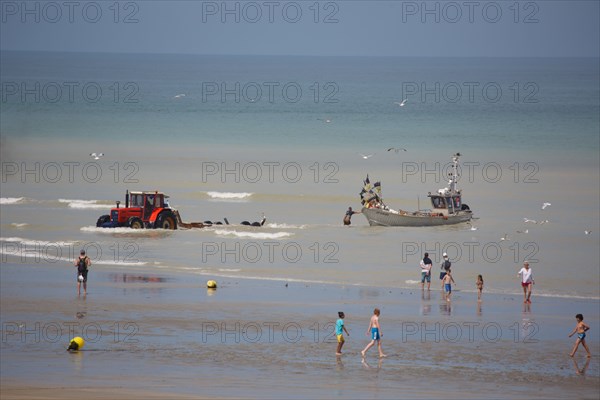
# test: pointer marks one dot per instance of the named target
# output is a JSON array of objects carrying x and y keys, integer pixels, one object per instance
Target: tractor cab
[
  {"x": 142, "y": 210},
  {"x": 147, "y": 201}
]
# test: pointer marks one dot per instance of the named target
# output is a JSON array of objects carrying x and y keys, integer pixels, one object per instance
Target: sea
[{"x": 294, "y": 138}]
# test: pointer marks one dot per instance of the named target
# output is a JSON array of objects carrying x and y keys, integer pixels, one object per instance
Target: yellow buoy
[
  {"x": 211, "y": 284},
  {"x": 76, "y": 343}
]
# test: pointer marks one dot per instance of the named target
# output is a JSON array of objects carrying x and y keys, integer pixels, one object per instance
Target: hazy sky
[{"x": 349, "y": 28}]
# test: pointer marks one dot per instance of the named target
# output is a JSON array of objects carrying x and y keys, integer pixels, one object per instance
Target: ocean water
[{"x": 239, "y": 137}]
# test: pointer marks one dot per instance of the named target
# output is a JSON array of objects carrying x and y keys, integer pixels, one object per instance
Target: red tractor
[{"x": 142, "y": 210}]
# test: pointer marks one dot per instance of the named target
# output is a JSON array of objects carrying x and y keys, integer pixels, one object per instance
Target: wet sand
[{"x": 157, "y": 336}]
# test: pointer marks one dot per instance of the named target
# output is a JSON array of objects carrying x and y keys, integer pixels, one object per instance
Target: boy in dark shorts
[
  {"x": 445, "y": 266},
  {"x": 82, "y": 263}
]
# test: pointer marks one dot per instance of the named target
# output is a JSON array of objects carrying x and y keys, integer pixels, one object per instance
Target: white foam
[
  {"x": 19, "y": 224},
  {"x": 230, "y": 269},
  {"x": 411, "y": 282},
  {"x": 119, "y": 229},
  {"x": 229, "y": 195},
  {"x": 253, "y": 235},
  {"x": 84, "y": 204},
  {"x": 285, "y": 226},
  {"x": 36, "y": 243},
  {"x": 51, "y": 258},
  {"x": 11, "y": 200},
  {"x": 128, "y": 263}
]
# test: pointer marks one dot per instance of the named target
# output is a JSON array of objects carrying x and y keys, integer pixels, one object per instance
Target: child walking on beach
[
  {"x": 479, "y": 284},
  {"x": 339, "y": 332},
  {"x": 580, "y": 329},
  {"x": 375, "y": 330},
  {"x": 448, "y": 281}
]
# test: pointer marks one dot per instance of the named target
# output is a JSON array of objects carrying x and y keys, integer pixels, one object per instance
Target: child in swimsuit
[
  {"x": 375, "y": 330},
  {"x": 339, "y": 332},
  {"x": 580, "y": 329},
  {"x": 448, "y": 281},
  {"x": 479, "y": 284}
]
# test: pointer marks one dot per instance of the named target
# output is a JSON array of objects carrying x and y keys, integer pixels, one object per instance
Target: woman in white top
[{"x": 527, "y": 281}]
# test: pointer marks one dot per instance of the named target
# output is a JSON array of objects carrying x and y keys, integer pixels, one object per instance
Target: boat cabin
[{"x": 446, "y": 204}]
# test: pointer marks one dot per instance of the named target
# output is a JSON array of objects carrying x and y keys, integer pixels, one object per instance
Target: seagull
[
  {"x": 473, "y": 228},
  {"x": 177, "y": 96},
  {"x": 396, "y": 149},
  {"x": 545, "y": 205},
  {"x": 96, "y": 156},
  {"x": 587, "y": 232},
  {"x": 366, "y": 156},
  {"x": 401, "y": 104},
  {"x": 527, "y": 220},
  {"x": 525, "y": 231},
  {"x": 505, "y": 237},
  {"x": 326, "y": 120}
]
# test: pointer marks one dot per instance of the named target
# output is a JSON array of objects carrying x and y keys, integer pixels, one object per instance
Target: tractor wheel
[
  {"x": 103, "y": 219},
  {"x": 165, "y": 220},
  {"x": 135, "y": 223}
]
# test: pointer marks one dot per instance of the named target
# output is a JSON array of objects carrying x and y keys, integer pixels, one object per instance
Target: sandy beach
[{"x": 159, "y": 336}]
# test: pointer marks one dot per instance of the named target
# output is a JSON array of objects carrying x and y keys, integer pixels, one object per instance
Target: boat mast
[{"x": 454, "y": 175}]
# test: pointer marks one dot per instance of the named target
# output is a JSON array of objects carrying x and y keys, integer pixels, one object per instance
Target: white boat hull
[{"x": 380, "y": 217}]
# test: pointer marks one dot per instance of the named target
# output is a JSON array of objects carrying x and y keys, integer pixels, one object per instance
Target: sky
[{"x": 465, "y": 28}]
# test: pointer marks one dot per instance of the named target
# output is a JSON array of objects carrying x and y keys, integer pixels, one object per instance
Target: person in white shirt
[
  {"x": 426, "y": 265},
  {"x": 527, "y": 282}
]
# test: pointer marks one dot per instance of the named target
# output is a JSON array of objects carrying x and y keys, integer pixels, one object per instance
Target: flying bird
[
  {"x": 396, "y": 149},
  {"x": 527, "y": 220},
  {"x": 544, "y": 222},
  {"x": 587, "y": 232},
  {"x": 366, "y": 156},
  {"x": 96, "y": 156},
  {"x": 401, "y": 104},
  {"x": 545, "y": 205}
]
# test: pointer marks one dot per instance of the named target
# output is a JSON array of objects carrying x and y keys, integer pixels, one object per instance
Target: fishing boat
[{"x": 447, "y": 207}]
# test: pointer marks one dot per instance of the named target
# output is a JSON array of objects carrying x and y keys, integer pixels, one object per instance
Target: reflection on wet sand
[
  {"x": 582, "y": 370},
  {"x": 129, "y": 278},
  {"x": 339, "y": 363},
  {"x": 446, "y": 308},
  {"x": 425, "y": 307},
  {"x": 368, "y": 366}
]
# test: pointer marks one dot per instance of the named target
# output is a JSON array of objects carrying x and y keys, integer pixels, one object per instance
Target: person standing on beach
[
  {"x": 527, "y": 282},
  {"x": 581, "y": 328},
  {"x": 82, "y": 263},
  {"x": 445, "y": 267},
  {"x": 448, "y": 281},
  {"x": 479, "y": 284},
  {"x": 349, "y": 215},
  {"x": 426, "y": 265},
  {"x": 375, "y": 330},
  {"x": 339, "y": 332}
]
